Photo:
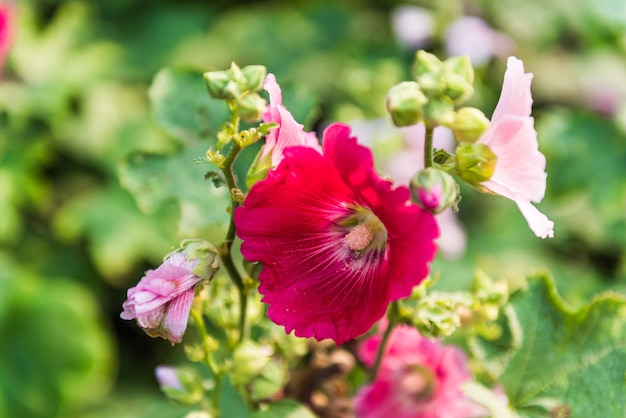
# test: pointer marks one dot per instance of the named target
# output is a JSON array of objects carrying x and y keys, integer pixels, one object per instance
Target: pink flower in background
[
  {"x": 336, "y": 241},
  {"x": 7, "y": 13},
  {"x": 472, "y": 36},
  {"x": 520, "y": 170},
  {"x": 289, "y": 133},
  {"x": 418, "y": 378},
  {"x": 167, "y": 376},
  {"x": 402, "y": 165},
  {"x": 162, "y": 299}
]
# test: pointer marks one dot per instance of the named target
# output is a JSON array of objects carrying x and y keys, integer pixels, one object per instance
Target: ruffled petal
[
  {"x": 289, "y": 133},
  {"x": 176, "y": 316},
  {"x": 515, "y": 98}
]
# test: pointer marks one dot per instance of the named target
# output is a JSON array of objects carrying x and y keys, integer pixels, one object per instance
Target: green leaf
[
  {"x": 285, "y": 408},
  {"x": 551, "y": 357},
  {"x": 181, "y": 105},
  {"x": 157, "y": 179},
  {"x": 231, "y": 404}
]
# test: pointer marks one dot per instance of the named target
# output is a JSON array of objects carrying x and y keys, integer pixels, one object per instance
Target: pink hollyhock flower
[
  {"x": 289, "y": 132},
  {"x": 520, "y": 170},
  {"x": 336, "y": 241},
  {"x": 418, "y": 378},
  {"x": 162, "y": 299}
]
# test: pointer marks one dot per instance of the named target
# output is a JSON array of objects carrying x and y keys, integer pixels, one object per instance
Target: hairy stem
[
  {"x": 217, "y": 374},
  {"x": 226, "y": 247},
  {"x": 428, "y": 147},
  {"x": 392, "y": 316}
]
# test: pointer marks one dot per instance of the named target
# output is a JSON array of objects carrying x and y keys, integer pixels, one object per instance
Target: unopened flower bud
[
  {"x": 475, "y": 162},
  {"x": 461, "y": 66},
  {"x": 426, "y": 63},
  {"x": 405, "y": 103},
  {"x": 457, "y": 88},
  {"x": 434, "y": 190},
  {"x": 249, "y": 360},
  {"x": 259, "y": 168},
  {"x": 439, "y": 111},
  {"x": 251, "y": 107},
  {"x": 216, "y": 82},
  {"x": 469, "y": 124},
  {"x": 254, "y": 76}
]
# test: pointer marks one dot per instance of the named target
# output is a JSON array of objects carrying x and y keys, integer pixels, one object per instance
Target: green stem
[
  {"x": 226, "y": 247},
  {"x": 392, "y": 316},
  {"x": 217, "y": 374},
  {"x": 428, "y": 147}
]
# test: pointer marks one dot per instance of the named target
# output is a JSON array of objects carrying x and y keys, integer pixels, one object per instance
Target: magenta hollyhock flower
[
  {"x": 336, "y": 241},
  {"x": 418, "y": 378},
  {"x": 289, "y": 133},
  {"x": 162, "y": 299},
  {"x": 520, "y": 170}
]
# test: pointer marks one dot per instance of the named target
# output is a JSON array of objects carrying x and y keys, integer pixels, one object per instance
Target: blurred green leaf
[
  {"x": 285, "y": 408},
  {"x": 231, "y": 403},
  {"x": 551, "y": 357},
  {"x": 157, "y": 179},
  {"x": 119, "y": 234},
  {"x": 56, "y": 354},
  {"x": 181, "y": 106}
]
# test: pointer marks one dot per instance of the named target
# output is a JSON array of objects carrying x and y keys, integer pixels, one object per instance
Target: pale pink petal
[
  {"x": 537, "y": 221},
  {"x": 161, "y": 301},
  {"x": 516, "y": 98},
  {"x": 175, "y": 320},
  {"x": 520, "y": 169},
  {"x": 289, "y": 133},
  {"x": 519, "y": 173}
]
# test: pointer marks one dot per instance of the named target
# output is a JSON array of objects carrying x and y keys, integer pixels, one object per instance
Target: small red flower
[{"x": 336, "y": 241}]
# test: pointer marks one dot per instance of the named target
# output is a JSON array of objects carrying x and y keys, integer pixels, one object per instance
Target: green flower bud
[
  {"x": 469, "y": 124},
  {"x": 254, "y": 76},
  {"x": 251, "y": 107},
  {"x": 259, "y": 168},
  {"x": 475, "y": 162},
  {"x": 426, "y": 63},
  {"x": 434, "y": 190},
  {"x": 457, "y": 88},
  {"x": 439, "y": 111},
  {"x": 206, "y": 253},
  {"x": 461, "y": 66},
  {"x": 405, "y": 103},
  {"x": 249, "y": 360},
  {"x": 216, "y": 82}
]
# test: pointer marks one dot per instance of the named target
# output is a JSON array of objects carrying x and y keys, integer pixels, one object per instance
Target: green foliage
[
  {"x": 550, "y": 357},
  {"x": 55, "y": 346},
  {"x": 182, "y": 107}
]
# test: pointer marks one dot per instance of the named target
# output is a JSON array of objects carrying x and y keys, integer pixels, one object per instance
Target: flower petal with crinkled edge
[
  {"x": 519, "y": 173},
  {"x": 289, "y": 133}
]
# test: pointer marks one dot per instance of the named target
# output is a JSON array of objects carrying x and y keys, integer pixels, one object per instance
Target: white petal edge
[{"x": 537, "y": 221}]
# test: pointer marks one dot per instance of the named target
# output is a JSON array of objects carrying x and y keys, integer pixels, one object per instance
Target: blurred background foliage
[{"x": 76, "y": 229}]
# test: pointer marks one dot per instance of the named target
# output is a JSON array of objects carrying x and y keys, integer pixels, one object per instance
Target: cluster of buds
[
  {"x": 431, "y": 98},
  {"x": 239, "y": 87}
]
